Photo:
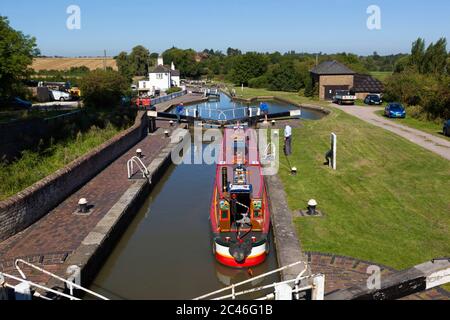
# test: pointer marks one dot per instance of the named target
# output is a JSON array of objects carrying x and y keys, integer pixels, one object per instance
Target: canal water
[
  {"x": 166, "y": 253},
  {"x": 226, "y": 109}
]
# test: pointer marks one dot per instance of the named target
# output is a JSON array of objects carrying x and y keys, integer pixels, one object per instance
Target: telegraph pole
[{"x": 104, "y": 60}]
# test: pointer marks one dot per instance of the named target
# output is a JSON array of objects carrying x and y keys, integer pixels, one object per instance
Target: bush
[
  {"x": 103, "y": 88},
  {"x": 430, "y": 92},
  {"x": 35, "y": 165},
  {"x": 259, "y": 82},
  {"x": 248, "y": 66},
  {"x": 173, "y": 90},
  {"x": 405, "y": 87},
  {"x": 285, "y": 77}
]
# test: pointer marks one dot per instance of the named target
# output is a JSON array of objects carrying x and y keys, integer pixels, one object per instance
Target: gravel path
[{"x": 428, "y": 141}]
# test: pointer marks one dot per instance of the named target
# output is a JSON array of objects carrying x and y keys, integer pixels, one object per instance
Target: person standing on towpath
[
  {"x": 288, "y": 141},
  {"x": 178, "y": 111},
  {"x": 264, "y": 109}
]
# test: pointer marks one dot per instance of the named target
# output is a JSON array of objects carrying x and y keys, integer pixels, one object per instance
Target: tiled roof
[
  {"x": 160, "y": 69},
  {"x": 367, "y": 83},
  {"x": 332, "y": 68},
  {"x": 166, "y": 69}
]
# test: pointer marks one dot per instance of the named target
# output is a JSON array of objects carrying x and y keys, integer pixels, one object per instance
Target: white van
[{"x": 60, "y": 95}]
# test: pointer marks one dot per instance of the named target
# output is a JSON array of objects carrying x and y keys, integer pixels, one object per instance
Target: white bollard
[
  {"x": 283, "y": 292},
  {"x": 23, "y": 291},
  {"x": 318, "y": 292}
]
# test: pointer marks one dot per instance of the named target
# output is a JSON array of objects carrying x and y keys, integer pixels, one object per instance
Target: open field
[
  {"x": 388, "y": 202},
  {"x": 424, "y": 125},
  {"x": 67, "y": 63},
  {"x": 381, "y": 75}
]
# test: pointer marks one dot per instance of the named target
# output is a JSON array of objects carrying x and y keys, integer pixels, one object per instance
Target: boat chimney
[{"x": 225, "y": 179}]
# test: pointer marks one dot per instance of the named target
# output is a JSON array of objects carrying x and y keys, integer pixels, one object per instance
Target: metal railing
[
  {"x": 317, "y": 286},
  {"x": 168, "y": 97},
  {"x": 215, "y": 113},
  {"x": 70, "y": 284},
  {"x": 141, "y": 166}
]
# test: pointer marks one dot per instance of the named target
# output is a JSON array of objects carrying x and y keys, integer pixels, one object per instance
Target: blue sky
[{"x": 261, "y": 25}]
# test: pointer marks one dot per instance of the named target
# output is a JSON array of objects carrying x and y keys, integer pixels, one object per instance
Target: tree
[
  {"x": 233, "y": 52},
  {"x": 435, "y": 58},
  {"x": 16, "y": 55},
  {"x": 184, "y": 60},
  {"x": 285, "y": 77},
  {"x": 248, "y": 66},
  {"x": 140, "y": 60},
  {"x": 417, "y": 53},
  {"x": 124, "y": 66},
  {"x": 137, "y": 63},
  {"x": 103, "y": 88}
]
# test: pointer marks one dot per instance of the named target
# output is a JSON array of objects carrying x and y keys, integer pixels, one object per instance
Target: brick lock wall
[{"x": 26, "y": 207}]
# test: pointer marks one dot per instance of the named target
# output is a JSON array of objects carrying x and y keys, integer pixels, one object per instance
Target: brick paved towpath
[
  {"x": 51, "y": 240},
  {"x": 186, "y": 99}
]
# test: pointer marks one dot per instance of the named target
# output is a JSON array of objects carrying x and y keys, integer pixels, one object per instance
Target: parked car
[
  {"x": 446, "y": 129},
  {"x": 395, "y": 110},
  {"x": 344, "y": 97},
  {"x": 373, "y": 99},
  {"x": 16, "y": 103},
  {"x": 60, "y": 95}
]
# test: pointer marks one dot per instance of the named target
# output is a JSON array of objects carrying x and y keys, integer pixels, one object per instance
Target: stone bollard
[
  {"x": 312, "y": 206},
  {"x": 83, "y": 206}
]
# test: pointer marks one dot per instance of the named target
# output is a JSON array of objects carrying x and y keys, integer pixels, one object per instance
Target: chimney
[
  {"x": 172, "y": 66},
  {"x": 160, "y": 61}
]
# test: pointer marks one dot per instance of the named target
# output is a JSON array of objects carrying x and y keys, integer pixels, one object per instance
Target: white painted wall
[
  {"x": 161, "y": 81},
  {"x": 176, "y": 80},
  {"x": 145, "y": 85}
]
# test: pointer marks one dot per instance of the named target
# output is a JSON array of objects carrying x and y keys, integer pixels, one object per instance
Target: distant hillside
[{"x": 67, "y": 63}]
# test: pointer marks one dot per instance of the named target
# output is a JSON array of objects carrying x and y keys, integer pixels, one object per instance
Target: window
[{"x": 159, "y": 76}]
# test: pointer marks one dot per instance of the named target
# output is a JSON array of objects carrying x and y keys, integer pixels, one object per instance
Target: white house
[{"x": 160, "y": 78}]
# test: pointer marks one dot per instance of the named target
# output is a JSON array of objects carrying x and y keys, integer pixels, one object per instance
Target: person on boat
[
  {"x": 265, "y": 110},
  {"x": 178, "y": 111},
  {"x": 288, "y": 140}
]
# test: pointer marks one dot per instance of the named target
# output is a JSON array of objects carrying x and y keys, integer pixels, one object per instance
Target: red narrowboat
[{"x": 239, "y": 215}]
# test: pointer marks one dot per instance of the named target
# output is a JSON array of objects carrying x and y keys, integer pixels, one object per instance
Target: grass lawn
[
  {"x": 34, "y": 166},
  {"x": 252, "y": 92},
  {"x": 80, "y": 136},
  {"x": 389, "y": 201},
  {"x": 424, "y": 125},
  {"x": 381, "y": 75}
]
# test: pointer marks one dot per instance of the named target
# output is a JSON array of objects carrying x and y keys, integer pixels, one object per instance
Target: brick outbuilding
[{"x": 333, "y": 75}]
